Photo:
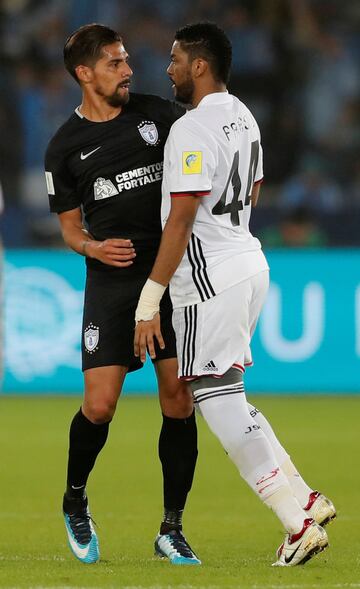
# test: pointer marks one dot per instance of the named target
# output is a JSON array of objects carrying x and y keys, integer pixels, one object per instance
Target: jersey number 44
[{"x": 237, "y": 203}]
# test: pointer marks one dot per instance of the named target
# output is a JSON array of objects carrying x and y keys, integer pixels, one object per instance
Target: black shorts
[{"x": 109, "y": 321}]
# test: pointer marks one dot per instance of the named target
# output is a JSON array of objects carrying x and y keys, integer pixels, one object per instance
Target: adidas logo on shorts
[{"x": 210, "y": 366}]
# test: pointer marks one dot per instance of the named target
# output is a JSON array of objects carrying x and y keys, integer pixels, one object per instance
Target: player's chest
[{"x": 117, "y": 147}]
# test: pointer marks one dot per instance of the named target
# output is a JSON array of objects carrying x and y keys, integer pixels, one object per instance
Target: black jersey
[{"x": 113, "y": 170}]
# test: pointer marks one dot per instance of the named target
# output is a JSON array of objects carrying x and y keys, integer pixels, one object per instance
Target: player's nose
[{"x": 128, "y": 71}]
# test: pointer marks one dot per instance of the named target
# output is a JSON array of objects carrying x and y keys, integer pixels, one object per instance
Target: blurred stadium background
[{"x": 296, "y": 65}]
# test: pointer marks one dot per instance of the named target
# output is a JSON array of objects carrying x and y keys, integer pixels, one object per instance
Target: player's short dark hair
[
  {"x": 208, "y": 41},
  {"x": 84, "y": 46}
]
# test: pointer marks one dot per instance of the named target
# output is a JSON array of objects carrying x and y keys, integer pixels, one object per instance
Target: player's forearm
[
  {"x": 255, "y": 194},
  {"x": 172, "y": 248},
  {"x": 79, "y": 240},
  {"x": 174, "y": 241}
]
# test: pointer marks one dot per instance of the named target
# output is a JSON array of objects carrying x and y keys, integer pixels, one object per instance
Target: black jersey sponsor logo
[
  {"x": 91, "y": 338},
  {"x": 149, "y": 132},
  {"x": 139, "y": 177},
  {"x": 104, "y": 189}
]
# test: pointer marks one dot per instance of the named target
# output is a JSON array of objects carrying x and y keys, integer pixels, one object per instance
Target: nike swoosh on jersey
[{"x": 83, "y": 155}]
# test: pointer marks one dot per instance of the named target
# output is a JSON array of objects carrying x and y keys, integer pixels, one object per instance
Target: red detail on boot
[
  {"x": 295, "y": 537},
  {"x": 312, "y": 498}
]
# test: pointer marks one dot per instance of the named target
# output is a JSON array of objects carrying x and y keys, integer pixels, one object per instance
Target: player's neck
[
  {"x": 98, "y": 111},
  {"x": 209, "y": 87}
]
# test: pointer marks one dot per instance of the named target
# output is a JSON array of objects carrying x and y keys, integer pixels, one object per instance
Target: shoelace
[
  {"x": 179, "y": 543},
  {"x": 80, "y": 526}
]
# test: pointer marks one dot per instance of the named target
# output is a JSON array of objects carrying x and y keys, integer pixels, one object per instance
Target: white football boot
[
  {"x": 299, "y": 548},
  {"x": 320, "y": 508}
]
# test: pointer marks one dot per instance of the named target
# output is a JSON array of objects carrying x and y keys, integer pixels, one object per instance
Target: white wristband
[{"x": 149, "y": 302}]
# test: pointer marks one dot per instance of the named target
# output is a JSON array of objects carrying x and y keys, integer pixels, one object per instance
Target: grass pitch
[{"x": 233, "y": 533}]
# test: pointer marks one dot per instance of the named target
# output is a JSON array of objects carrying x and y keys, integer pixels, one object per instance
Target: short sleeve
[
  {"x": 257, "y": 152},
  {"x": 259, "y": 173},
  {"x": 61, "y": 185},
  {"x": 189, "y": 160}
]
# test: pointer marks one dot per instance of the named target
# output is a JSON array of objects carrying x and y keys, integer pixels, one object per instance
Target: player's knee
[
  {"x": 223, "y": 405},
  {"x": 176, "y": 400},
  {"x": 100, "y": 410}
]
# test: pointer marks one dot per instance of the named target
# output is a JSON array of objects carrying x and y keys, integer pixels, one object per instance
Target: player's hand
[
  {"x": 114, "y": 252},
  {"x": 145, "y": 331}
]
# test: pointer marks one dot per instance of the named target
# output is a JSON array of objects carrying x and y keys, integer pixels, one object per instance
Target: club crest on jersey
[
  {"x": 149, "y": 132},
  {"x": 192, "y": 162},
  {"x": 104, "y": 189},
  {"x": 91, "y": 338}
]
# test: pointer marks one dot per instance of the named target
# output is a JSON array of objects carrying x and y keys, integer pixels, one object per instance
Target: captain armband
[{"x": 149, "y": 302}]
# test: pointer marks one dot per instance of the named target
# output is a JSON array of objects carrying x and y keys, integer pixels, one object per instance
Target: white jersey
[{"x": 214, "y": 152}]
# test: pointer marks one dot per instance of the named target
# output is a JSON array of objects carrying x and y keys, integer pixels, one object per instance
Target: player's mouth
[{"x": 124, "y": 85}]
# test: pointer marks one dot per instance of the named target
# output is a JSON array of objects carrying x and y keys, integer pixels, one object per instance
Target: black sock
[
  {"x": 172, "y": 520},
  {"x": 86, "y": 441},
  {"x": 178, "y": 454}
]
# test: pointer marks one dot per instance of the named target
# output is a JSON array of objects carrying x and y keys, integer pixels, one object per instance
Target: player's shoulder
[
  {"x": 244, "y": 110},
  {"x": 65, "y": 132},
  {"x": 151, "y": 105},
  {"x": 190, "y": 123}
]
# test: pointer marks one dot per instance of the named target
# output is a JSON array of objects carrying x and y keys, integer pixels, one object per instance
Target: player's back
[
  {"x": 232, "y": 140},
  {"x": 218, "y": 144}
]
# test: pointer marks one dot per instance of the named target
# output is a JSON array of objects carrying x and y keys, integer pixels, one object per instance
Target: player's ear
[
  {"x": 199, "y": 67},
  {"x": 84, "y": 74}
]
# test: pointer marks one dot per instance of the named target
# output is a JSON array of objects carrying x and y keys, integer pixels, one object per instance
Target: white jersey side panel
[{"x": 214, "y": 152}]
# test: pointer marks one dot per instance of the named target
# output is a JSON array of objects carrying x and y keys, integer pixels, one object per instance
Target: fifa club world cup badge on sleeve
[
  {"x": 192, "y": 162},
  {"x": 91, "y": 338}
]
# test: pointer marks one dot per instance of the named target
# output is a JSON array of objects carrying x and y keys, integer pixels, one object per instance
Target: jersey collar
[
  {"x": 215, "y": 98},
  {"x": 78, "y": 113}
]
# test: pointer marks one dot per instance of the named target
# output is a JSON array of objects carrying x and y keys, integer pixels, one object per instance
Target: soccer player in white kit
[{"x": 217, "y": 272}]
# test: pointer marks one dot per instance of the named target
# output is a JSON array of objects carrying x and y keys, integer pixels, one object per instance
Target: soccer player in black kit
[{"x": 104, "y": 165}]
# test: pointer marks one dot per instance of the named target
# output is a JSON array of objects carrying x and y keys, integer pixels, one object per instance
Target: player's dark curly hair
[
  {"x": 208, "y": 41},
  {"x": 84, "y": 46}
]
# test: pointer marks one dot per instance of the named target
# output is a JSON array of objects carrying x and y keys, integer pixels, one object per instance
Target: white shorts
[{"x": 215, "y": 335}]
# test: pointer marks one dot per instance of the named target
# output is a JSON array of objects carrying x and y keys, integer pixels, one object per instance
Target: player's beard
[
  {"x": 184, "y": 92},
  {"x": 115, "y": 99}
]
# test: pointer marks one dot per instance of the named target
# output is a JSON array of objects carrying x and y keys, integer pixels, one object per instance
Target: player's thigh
[
  {"x": 174, "y": 395},
  {"x": 167, "y": 331},
  {"x": 103, "y": 386},
  {"x": 214, "y": 335},
  {"x": 260, "y": 287},
  {"x": 108, "y": 321}
]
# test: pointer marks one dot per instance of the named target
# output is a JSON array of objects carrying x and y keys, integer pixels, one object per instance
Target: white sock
[
  {"x": 279, "y": 450},
  {"x": 299, "y": 487},
  {"x": 228, "y": 417},
  {"x": 283, "y": 503}
]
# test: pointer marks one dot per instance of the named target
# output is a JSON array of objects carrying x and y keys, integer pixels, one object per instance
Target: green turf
[{"x": 233, "y": 533}]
